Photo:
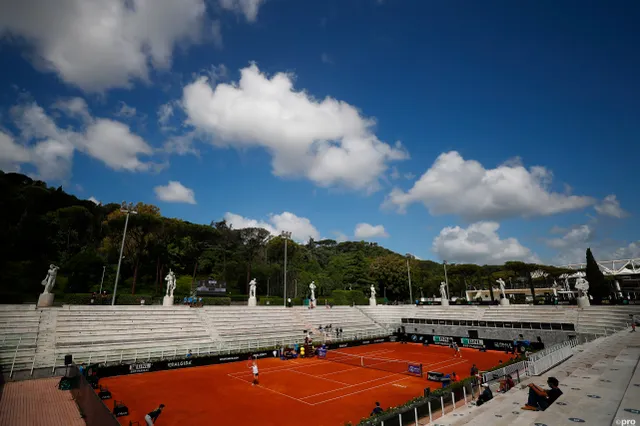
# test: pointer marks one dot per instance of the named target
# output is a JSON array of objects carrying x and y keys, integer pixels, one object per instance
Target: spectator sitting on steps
[
  {"x": 540, "y": 399},
  {"x": 485, "y": 396},
  {"x": 506, "y": 384}
]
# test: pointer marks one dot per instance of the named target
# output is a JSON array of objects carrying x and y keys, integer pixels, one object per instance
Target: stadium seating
[
  {"x": 102, "y": 331},
  {"x": 238, "y": 326},
  {"x": 352, "y": 321},
  {"x": 594, "y": 382},
  {"x": 18, "y": 335}
]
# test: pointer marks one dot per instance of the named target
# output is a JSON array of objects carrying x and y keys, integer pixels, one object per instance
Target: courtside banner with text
[
  {"x": 149, "y": 366},
  {"x": 465, "y": 342}
]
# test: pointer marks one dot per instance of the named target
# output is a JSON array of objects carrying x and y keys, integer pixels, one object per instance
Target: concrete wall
[{"x": 549, "y": 337}]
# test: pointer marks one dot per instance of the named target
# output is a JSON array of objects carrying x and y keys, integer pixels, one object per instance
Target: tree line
[{"x": 42, "y": 225}]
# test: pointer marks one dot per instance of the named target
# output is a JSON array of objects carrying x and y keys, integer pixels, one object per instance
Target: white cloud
[
  {"x": 454, "y": 185},
  {"x": 73, "y": 107},
  {"x": 575, "y": 236},
  {"x": 327, "y": 141},
  {"x": 631, "y": 251},
  {"x": 340, "y": 237},
  {"x": 50, "y": 148},
  {"x": 101, "y": 44},
  {"x": 300, "y": 227},
  {"x": 11, "y": 153},
  {"x": 365, "y": 231},
  {"x": 175, "y": 192},
  {"x": 610, "y": 206},
  {"x": 125, "y": 110},
  {"x": 479, "y": 243},
  {"x": 94, "y": 200},
  {"x": 249, "y": 8}
]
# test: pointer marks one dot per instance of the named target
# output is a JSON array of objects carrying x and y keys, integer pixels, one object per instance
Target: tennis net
[{"x": 383, "y": 364}]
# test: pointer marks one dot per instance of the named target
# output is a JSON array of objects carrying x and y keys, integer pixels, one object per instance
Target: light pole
[
  {"x": 409, "y": 275},
  {"x": 286, "y": 235},
  {"x": 128, "y": 209},
  {"x": 446, "y": 280},
  {"x": 104, "y": 268}
]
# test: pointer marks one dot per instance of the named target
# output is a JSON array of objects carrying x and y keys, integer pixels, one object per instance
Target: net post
[{"x": 400, "y": 418}]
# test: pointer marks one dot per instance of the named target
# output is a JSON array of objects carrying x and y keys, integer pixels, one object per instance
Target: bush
[{"x": 78, "y": 298}]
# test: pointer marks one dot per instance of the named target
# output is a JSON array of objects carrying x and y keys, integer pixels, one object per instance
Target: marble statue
[
  {"x": 582, "y": 286},
  {"x": 567, "y": 287},
  {"x": 501, "y": 283},
  {"x": 252, "y": 288},
  {"x": 50, "y": 280},
  {"x": 171, "y": 283},
  {"x": 373, "y": 291},
  {"x": 443, "y": 290},
  {"x": 372, "y": 298},
  {"x": 313, "y": 287}
]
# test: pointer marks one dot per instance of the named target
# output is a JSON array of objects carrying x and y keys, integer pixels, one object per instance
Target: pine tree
[{"x": 598, "y": 287}]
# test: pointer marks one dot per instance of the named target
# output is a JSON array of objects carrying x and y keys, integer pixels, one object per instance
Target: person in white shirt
[{"x": 254, "y": 369}]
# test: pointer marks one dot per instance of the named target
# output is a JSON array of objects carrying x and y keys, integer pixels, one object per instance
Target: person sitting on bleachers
[
  {"x": 506, "y": 384},
  {"x": 485, "y": 396},
  {"x": 540, "y": 399}
]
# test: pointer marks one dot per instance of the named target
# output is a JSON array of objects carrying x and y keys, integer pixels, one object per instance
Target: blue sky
[{"x": 467, "y": 131}]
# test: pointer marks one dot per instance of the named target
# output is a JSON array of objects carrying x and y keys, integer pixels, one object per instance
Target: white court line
[
  {"x": 360, "y": 391},
  {"x": 357, "y": 384},
  {"x": 274, "y": 391},
  {"x": 285, "y": 367},
  {"x": 318, "y": 377}
]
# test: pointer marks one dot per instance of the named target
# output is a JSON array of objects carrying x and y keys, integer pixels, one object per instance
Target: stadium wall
[{"x": 548, "y": 337}]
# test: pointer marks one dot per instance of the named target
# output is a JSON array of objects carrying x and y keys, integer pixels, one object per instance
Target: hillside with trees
[{"x": 42, "y": 225}]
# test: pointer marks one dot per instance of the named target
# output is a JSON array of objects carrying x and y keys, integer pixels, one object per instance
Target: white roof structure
[{"x": 612, "y": 267}]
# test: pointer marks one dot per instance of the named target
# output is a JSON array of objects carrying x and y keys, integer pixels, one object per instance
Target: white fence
[
  {"x": 549, "y": 361},
  {"x": 518, "y": 368},
  {"x": 543, "y": 353}
]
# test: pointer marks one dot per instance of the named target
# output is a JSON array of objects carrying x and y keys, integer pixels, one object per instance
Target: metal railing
[{"x": 544, "y": 352}]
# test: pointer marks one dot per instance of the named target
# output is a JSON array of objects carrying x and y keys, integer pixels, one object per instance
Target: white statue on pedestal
[
  {"x": 567, "y": 287},
  {"x": 252, "y": 288},
  {"x": 443, "y": 290},
  {"x": 582, "y": 286},
  {"x": 372, "y": 298},
  {"x": 312, "y": 287},
  {"x": 171, "y": 283},
  {"x": 46, "y": 298},
  {"x": 501, "y": 283},
  {"x": 50, "y": 280}
]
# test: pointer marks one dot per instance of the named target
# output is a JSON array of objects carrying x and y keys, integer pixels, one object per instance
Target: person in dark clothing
[
  {"x": 540, "y": 399},
  {"x": 485, "y": 396},
  {"x": 152, "y": 417},
  {"x": 377, "y": 410},
  {"x": 474, "y": 374}
]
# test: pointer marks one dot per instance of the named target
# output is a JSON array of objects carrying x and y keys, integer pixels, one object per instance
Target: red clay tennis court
[{"x": 312, "y": 391}]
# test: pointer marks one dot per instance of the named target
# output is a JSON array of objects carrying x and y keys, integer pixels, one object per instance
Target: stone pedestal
[
  {"x": 45, "y": 299},
  {"x": 252, "y": 301},
  {"x": 504, "y": 302},
  {"x": 444, "y": 302},
  {"x": 583, "y": 302},
  {"x": 373, "y": 301},
  {"x": 167, "y": 301}
]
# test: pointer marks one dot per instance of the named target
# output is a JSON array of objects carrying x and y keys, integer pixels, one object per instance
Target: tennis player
[
  {"x": 456, "y": 350},
  {"x": 254, "y": 369}
]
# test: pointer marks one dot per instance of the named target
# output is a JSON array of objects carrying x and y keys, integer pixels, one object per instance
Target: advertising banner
[{"x": 211, "y": 288}]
